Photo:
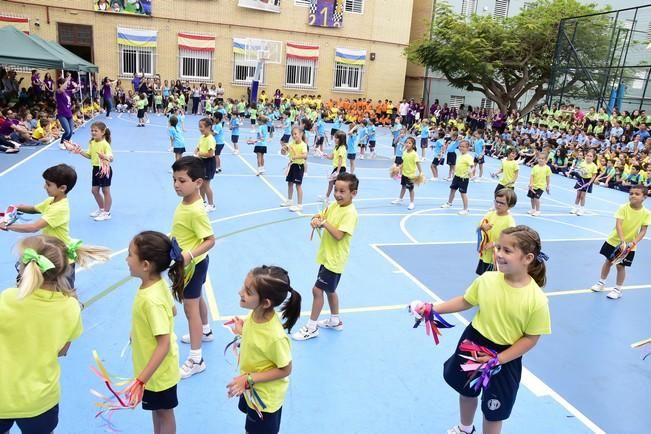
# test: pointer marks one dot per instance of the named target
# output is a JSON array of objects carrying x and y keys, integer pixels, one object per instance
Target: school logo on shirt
[{"x": 493, "y": 404}]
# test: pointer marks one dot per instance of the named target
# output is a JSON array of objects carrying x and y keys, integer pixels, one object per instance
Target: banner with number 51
[{"x": 326, "y": 13}]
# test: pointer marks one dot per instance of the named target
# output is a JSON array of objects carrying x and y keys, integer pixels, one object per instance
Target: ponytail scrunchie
[
  {"x": 72, "y": 249},
  {"x": 43, "y": 263},
  {"x": 542, "y": 257},
  {"x": 176, "y": 254}
]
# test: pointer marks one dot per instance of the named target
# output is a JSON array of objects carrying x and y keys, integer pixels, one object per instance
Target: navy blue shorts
[
  {"x": 319, "y": 140},
  {"x": 219, "y": 148},
  {"x": 163, "y": 400},
  {"x": 284, "y": 138},
  {"x": 498, "y": 398},
  {"x": 483, "y": 267},
  {"x": 260, "y": 149},
  {"x": 452, "y": 158},
  {"x": 398, "y": 161},
  {"x": 536, "y": 193},
  {"x": 235, "y": 139},
  {"x": 351, "y": 156},
  {"x": 209, "y": 166},
  {"x": 424, "y": 142},
  {"x": 193, "y": 289},
  {"x": 479, "y": 160},
  {"x": 333, "y": 131},
  {"x": 460, "y": 184},
  {"x": 438, "y": 161},
  {"x": 43, "y": 423},
  {"x": 583, "y": 185},
  {"x": 327, "y": 280},
  {"x": 295, "y": 174},
  {"x": 269, "y": 424},
  {"x": 101, "y": 181},
  {"x": 371, "y": 144},
  {"x": 608, "y": 251},
  {"x": 407, "y": 183},
  {"x": 179, "y": 150}
]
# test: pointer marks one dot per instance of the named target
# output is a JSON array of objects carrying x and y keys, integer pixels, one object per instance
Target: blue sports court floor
[{"x": 378, "y": 375}]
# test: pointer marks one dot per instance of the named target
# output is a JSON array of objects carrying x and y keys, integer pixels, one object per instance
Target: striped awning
[
  {"x": 20, "y": 23},
  {"x": 302, "y": 51},
  {"x": 137, "y": 37},
  {"x": 351, "y": 57},
  {"x": 190, "y": 41}
]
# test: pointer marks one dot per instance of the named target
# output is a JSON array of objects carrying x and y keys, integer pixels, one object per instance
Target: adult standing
[
  {"x": 37, "y": 84},
  {"x": 64, "y": 109},
  {"x": 72, "y": 86},
  {"x": 49, "y": 85},
  {"x": 196, "y": 98},
  {"x": 107, "y": 95},
  {"x": 278, "y": 96},
  {"x": 220, "y": 94},
  {"x": 136, "y": 82}
]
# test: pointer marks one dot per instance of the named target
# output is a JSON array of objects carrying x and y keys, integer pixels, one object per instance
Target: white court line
[
  {"x": 262, "y": 177},
  {"x": 439, "y": 243},
  {"x": 530, "y": 381}
]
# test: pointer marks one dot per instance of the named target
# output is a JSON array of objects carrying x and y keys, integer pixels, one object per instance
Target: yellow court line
[
  {"x": 588, "y": 291},
  {"x": 346, "y": 310},
  {"x": 212, "y": 300}
]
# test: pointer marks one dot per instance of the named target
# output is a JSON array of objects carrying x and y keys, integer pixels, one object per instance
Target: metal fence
[{"x": 603, "y": 60}]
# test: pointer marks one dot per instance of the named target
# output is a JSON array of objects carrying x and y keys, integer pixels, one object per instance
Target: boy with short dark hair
[{"x": 339, "y": 221}]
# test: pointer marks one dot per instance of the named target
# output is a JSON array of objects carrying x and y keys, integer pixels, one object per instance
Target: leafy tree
[{"x": 504, "y": 58}]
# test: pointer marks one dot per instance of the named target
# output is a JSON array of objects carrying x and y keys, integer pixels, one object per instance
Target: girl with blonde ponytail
[{"x": 40, "y": 318}]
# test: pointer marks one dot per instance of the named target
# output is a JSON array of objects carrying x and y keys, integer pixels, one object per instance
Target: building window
[
  {"x": 456, "y": 101},
  {"x": 528, "y": 5},
  {"x": 354, "y": 6},
  {"x": 486, "y": 104},
  {"x": 468, "y": 7},
  {"x": 136, "y": 59},
  {"x": 244, "y": 69},
  {"x": 501, "y": 8},
  {"x": 348, "y": 77},
  {"x": 195, "y": 65},
  {"x": 300, "y": 73},
  {"x": 304, "y": 3}
]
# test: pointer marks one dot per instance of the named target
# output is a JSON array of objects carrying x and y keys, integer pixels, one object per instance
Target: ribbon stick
[
  {"x": 433, "y": 320},
  {"x": 641, "y": 343},
  {"x": 480, "y": 374}
]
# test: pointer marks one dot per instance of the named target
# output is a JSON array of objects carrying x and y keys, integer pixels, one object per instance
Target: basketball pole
[{"x": 255, "y": 83}]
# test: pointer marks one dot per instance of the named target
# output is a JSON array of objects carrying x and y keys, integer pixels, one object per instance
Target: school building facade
[{"x": 335, "y": 48}]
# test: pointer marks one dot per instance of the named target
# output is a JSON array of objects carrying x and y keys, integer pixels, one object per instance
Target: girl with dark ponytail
[
  {"x": 155, "y": 351},
  {"x": 513, "y": 313},
  {"x": 265, "y": 352}
]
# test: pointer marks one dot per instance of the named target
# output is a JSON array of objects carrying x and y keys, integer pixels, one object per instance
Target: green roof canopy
[{"x": 71, "y": 60}]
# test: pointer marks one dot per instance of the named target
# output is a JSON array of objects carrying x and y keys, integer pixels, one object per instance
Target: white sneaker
[
  {"x": 62, "y": 146},
  {"x": 190, "y": 367},
  {"x": 210, "y": 208},
  {"x": 103, "y": 216},
  {"x": 96, "y": 213},
  {"x": 296, "y": 208},
  {"x": 304, "y": 334},
  {"x": 446, "y": 205},
  {"x": 286, "y": 203},
  {"x": 411, "y": 206},
  {"x": 464, "y": 212},
  {"x": 615, "y": 294},
  {"x": 361, "y": 157},
  {"x": 205, "y": 337},
  {"x": 236, "y": 152},
  {"x": 326, "y": 324},
  {"x": 433, "y": 179},
  {"x": 457, "y": 430},
  {"x": 598, "y": 287},
  {"x": 580, "y": 211},
  {"x": 396, "y": 201},
  {"x": 574, "y": 210},
  {"x": 531, "y": 211},
  {"x": 535, "y": 213}
]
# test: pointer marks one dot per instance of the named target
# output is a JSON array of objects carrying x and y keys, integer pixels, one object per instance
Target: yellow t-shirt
[
  {"x": 409, "y": 160},
  {"x": 588, "y": 169},
  {"x": 340, "y": 153},
  {"x": 506, "y": 314},
  {"x": 499, "y": 222},
  {"x": 632, "y": 222},
  {"x": 190, "y": 226},
  {"x": 32, "y": 332},
  {"x": 333, "y": 254},
  {"x": 539, "y": 175},
  {"x": 94, "y": 148},
  {"x": 57, "y": 216},
  {"x": 266, "y": 346},
  {"x": 297, "y": 149},
  {"x": 206, "y": 144},
  {"x": 152, "y": 315},
  {"x": 464, "y": 163},
  {"x": 38, "y": 133},
  {"x": 509, "y": 173}
]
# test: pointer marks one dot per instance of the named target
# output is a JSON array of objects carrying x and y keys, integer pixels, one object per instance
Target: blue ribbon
[{"x": 176, "y": 254}]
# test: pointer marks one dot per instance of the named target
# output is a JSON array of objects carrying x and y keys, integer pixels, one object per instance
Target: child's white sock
[
  {"x": 602, "y": 281},
  {"x": 311, "y": 325},
  {"x": 334, "y": 319},
  {"x": 465, "y": 428},
  {"x": 195, "y": 355},
  {"x": 206, "y": 329}
]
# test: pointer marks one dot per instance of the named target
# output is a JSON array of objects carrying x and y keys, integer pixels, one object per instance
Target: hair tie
[
  {"x": 542, "y": 257},
  {"x": 72, "y": 250},
  {"x": 176, "y": 254},
  {"x": 43, "y": 263}
]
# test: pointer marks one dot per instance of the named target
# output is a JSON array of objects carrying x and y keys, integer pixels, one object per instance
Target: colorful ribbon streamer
[
  {"x": 480, "y": 374},
  {"x": 433, "y": 320}
]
